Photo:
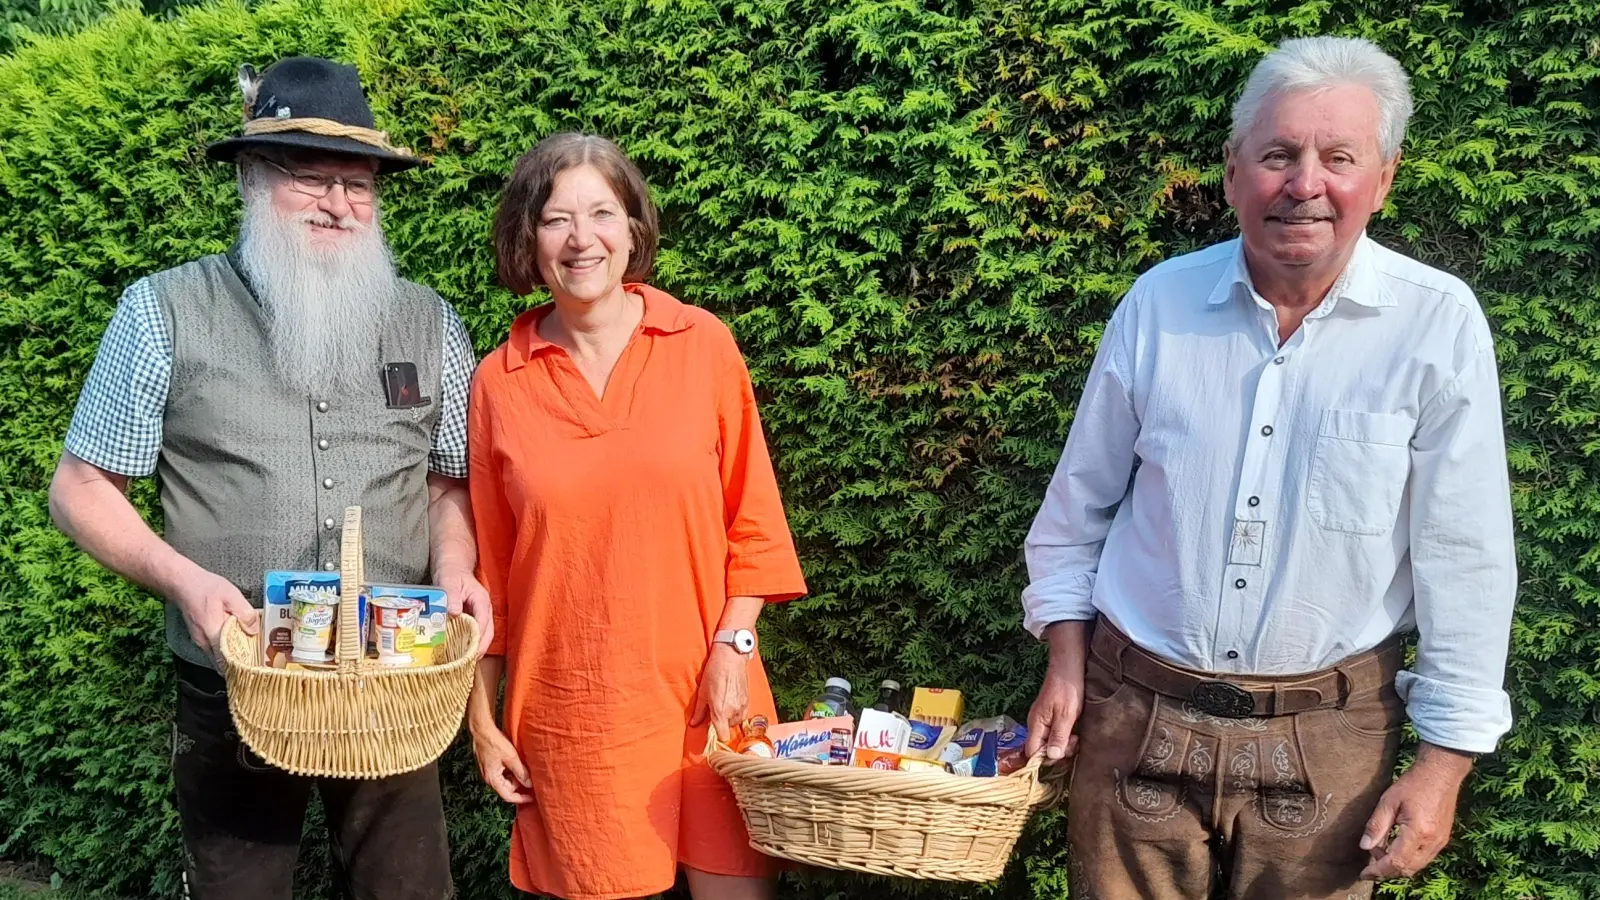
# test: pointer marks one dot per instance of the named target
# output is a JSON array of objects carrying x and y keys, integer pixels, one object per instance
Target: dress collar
[{"x": 663, "y": 314}]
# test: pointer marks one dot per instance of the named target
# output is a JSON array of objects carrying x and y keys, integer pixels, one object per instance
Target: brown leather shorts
[{"x": 1190, "y": 785}]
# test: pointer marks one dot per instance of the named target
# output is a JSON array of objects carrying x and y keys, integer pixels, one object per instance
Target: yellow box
[{"x": 937, "y": 706}]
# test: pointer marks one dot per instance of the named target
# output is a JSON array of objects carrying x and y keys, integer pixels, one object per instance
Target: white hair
[
  {"x": 1313, "y": 63},
  {"x": 324, "y": 305}
]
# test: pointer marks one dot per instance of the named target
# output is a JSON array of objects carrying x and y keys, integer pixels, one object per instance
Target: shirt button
[
  {"x": 327, "y": 567},
  {"x": 1278, "y": 361},
  {"x": 322, "y": 406},
  {"x": 1254, "y": 501},
  {"x": 322, "y": 444},
  {"x": 1266, "y": 431},
  {"x": 327, "y": 524},
  {"x": 327, "y": 483},
  {"x": 1233, "y": 654},
  {"x": 1239, "y": 583}
]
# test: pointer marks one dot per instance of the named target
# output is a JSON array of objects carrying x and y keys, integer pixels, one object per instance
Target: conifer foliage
[{"x": 916, "y": 215}]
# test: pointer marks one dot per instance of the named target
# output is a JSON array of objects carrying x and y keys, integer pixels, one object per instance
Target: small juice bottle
[{"x": 753, "y": 740}]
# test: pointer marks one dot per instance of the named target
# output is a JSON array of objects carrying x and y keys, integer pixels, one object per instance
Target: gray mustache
[{"x": 1302, "y": 211}]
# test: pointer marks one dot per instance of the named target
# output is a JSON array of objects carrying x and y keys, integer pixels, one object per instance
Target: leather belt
[{"x": 1248, "y": 696}]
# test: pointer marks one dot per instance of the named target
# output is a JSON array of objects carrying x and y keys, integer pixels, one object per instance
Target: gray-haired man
[{"x": 1288, "y": 453}]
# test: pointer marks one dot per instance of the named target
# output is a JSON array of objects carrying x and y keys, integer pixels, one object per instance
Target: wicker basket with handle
[
  {"x": 361, "y": 719},
  {"x": 926, "y": 825}
]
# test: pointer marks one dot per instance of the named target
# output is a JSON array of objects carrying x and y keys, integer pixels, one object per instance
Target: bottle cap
[
  {"x": 839, "y": 683},
  {"x": 891, "y": 684}
]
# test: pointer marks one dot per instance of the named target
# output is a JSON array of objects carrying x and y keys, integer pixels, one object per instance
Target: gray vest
[{"x": 254, "y": 476}]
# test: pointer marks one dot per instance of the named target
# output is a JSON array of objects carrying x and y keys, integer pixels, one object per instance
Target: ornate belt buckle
[{"x": 1223, "y": 699}]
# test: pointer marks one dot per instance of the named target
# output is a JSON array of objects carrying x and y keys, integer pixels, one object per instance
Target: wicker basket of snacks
[
  {"x": 925, "y": 823},
  {"x": 352, "y": 716}
]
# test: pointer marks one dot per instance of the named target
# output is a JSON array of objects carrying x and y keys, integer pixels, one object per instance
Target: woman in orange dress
[{"x": 629, "y": 533}]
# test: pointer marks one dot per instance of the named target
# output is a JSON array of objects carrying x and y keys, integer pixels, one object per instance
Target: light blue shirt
[{"x": 1239, "y": 507}]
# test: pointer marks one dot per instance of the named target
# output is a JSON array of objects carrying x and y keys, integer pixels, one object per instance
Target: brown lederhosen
[{"x": 1190, "y": 786}]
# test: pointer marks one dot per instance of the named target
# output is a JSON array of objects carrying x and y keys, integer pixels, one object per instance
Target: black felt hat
[{"x": 309, "y": 103}]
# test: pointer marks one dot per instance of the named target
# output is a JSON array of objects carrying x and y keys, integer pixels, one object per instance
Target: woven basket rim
[
  {"x": 231, "y": 645},
  {"x": 1024, "y": 786}
]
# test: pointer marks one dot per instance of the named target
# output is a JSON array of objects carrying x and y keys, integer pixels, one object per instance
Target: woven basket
[
  {"x": 926, "y": 825},
  {"x": 362, "y": 719}
]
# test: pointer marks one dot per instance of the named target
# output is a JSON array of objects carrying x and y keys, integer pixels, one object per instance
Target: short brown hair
[{"x": 515, "y": 225}]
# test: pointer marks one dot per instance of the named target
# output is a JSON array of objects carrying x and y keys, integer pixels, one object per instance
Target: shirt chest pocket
[{"x": 1359, "y": 470}]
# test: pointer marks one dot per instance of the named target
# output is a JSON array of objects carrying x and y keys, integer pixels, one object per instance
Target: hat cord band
[{"x": 326, "y": 128}]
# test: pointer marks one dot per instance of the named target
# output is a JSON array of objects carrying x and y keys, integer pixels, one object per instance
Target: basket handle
[
  {"x": 350, "y": 655},
  {"x": 1049, "y": 781}
]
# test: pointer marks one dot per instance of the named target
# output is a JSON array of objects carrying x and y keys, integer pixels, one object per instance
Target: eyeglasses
[{"x": 315, "y": 184}]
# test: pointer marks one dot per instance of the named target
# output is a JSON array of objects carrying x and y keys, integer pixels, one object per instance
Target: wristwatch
[{"x": 743, "y": 640}]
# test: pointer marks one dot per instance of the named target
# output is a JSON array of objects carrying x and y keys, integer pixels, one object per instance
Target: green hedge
[
  {"x": 916, "y": 216},
  {"x": 21, "y": 18}
]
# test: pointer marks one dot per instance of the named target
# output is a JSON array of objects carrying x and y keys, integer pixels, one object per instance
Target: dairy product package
[
  {"x": 433, "y": 614},
  {"x": 885, "y": 732},
  {"x": 812, "y": 740},
  {"x": 314, "y": 607},
  {"x": 937, "y": 706},
  {"x": 874, "y": 759},
  {"x": 989, "y": 747},
  {"x": 277, "y": 616},
  {"x": 928, "y": 742},
  {"x": 1011, "y": 750},
  {"x": 980, "y": 755}
]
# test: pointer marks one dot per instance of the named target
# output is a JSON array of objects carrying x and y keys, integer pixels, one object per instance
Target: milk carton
[
  {"x": 277, "y": 617},
  {"x": 884, "y": 732}
]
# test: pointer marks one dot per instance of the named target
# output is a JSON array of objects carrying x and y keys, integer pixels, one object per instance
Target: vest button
[
  {"x": 327, "y": 483},
  {"x": 322, "y": 406},
  {"x": 327, "y": 524},
  {"x": 322, "y": 444},
  {"x": 327, "y": 567}
]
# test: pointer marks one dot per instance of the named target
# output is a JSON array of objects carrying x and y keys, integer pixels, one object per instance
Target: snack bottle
[
  {"x": 753, "y": 739},
  {"x": 833, "y": 701},
  {"x": 888, "y": 697}
]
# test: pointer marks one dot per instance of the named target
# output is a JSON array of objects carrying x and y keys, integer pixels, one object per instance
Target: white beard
[{"x": 324, "y": 302}]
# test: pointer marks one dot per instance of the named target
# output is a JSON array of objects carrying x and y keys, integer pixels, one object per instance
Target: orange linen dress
[{"x": 610, "y": 534}]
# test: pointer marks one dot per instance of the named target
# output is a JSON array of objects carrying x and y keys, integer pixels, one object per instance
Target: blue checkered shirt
[{"x": 117, "y": 424}]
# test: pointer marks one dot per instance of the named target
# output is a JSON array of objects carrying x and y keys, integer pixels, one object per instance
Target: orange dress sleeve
[
  {"x": 761, "y": 557},
  {"x": 491, "y": 514}
]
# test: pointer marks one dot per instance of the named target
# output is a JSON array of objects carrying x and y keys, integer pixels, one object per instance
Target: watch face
[{"x": 744, "y": 641}]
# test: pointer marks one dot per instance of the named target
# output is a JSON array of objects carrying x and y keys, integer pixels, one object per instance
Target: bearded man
[{"x": 268, "y": 388}]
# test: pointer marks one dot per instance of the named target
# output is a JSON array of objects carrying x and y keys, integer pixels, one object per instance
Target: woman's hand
[
  {"x": 499, "y": 764},
  {"x": 724, "y": 694}
]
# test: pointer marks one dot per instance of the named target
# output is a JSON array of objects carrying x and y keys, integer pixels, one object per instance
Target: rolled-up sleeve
[
  {"x": 1463, "y": 562},
  {"x": 496, "y": 527},
  {"x": 1063, "y": 546},
  {"x": 761, "y": 555}
]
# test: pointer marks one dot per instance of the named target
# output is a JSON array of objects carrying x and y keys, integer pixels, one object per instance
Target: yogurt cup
[
  {"x": 394, "y": 627},
  {"x": 313, "y": 608}
]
